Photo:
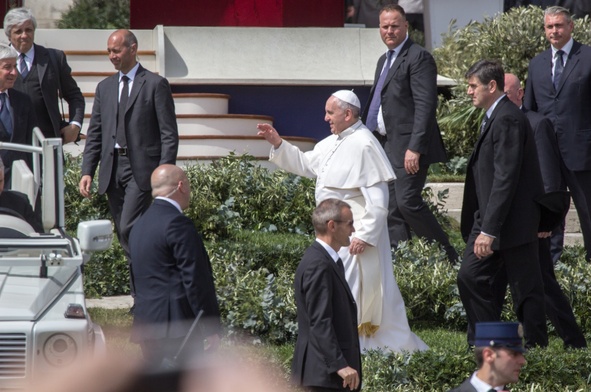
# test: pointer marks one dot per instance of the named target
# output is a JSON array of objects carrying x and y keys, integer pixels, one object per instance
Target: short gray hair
[
  {"x": 557, "y": 10},
  {"x": 7, "y": 52},
  {"x": 346, "y": 105},
  {"x": 327, "y": 210},
  {"x": 17, "y": 16}
]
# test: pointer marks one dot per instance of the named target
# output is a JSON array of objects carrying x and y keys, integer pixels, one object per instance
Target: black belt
[{"x": 121, "y": 151}]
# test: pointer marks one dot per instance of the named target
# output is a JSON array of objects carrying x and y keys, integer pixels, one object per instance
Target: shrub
[{"x": 96, "y": 14}]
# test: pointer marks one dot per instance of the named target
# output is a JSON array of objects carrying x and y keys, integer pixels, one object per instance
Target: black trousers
[
  {"x": 127, "y": 202},
  {"x": 558, "y": 308},
  {"x": 407, "y": 210},
  {"x": 479, "y": 288}
]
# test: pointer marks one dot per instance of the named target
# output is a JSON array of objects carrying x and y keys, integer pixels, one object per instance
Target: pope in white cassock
[{"x": 350, "y": 165}]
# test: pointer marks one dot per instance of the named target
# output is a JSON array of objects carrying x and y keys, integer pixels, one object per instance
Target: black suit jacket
[
  {"x": 548, "y": 153},
  {"x": 172, "y": 275},
  {"x": 23, "y": 122},
  {"x": 568, "y": 106},
  {"x": 503, "y": 180},
  {"x": 19, "y": 203},
  {"x": 327, "y": 322},
  {"x": 409, "y": 102},
  {"x": 50, "y": 80},
  {"x": 151, "y": 128}
]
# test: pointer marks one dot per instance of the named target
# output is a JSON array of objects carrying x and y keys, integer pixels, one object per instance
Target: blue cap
[{"x": 499, "y": 334}]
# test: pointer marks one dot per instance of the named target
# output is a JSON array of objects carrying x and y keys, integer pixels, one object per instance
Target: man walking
[
  {"x": 327, "y": 356},
  {"x": 132, "y": 130},
  {"x": 401, "y": 113},
  {"x": 500, "y": 216}
]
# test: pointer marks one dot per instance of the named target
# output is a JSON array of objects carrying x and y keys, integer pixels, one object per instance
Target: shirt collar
[
  {"x": 493, "y": 106},
  {"x": 399, "y": 47},
  {"x": 333, "y": 254},
  {"x": 566, "y": 48},
  {"x": 173, "y": 202},
  {"x": 480, "y": 385},
  {"x": 131, "y": 73}
]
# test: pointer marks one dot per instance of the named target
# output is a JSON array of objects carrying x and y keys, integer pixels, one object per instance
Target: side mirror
[{"x": 95, "y": 235}]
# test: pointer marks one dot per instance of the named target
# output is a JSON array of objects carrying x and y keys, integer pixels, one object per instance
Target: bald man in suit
[{"x": 132, "y": 131}]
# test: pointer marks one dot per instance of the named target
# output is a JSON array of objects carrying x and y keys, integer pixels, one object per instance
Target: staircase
[{"x": 206, "y": 130}]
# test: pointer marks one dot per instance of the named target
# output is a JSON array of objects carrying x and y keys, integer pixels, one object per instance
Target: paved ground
[{"x": 117, "y": 302}]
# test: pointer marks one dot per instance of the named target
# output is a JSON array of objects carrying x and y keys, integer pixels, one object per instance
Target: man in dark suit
[
  {"x": 46, "y": 77},
  {"x": 174, "y": 279},
  {"x": 401, "y": 113},
  {"x": 499, "y": 355},
  {"x": 17, "y": 204},
  {"x": 558, "y": 308},
  {"x": 559, "y": 88},
  {"x": 500, "y": 215},
  {"x": 327, "y": 355},
  {"x": 17, "y": 118},
  {"x": 132, "y": 131}
]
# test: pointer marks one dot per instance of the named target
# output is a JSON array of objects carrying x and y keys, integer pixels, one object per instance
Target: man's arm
[
  {"x": 529, "y": 99},
  {"x": 92, "y": 147},
  {"x": 165, "y": 113},
  {"x": 374, "y": 218},
  {"x": 195, "y": 268},
  {"x": 423, "y": 85},
  {"x": 508, "y": 135},
  {"x": 72, "y": 95}
]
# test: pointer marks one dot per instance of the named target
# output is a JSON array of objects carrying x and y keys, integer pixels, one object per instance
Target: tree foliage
[{"x": 96, "y": 14}]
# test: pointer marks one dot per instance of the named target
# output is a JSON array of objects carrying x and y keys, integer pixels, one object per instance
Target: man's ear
[{"x": 488, "y": 354}]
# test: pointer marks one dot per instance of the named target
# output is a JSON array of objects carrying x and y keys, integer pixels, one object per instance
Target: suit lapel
[
  {"x": 138, "y": 82},
  {"x": 333, "y": 265},
  {"x": 571, "y": 63},
  {"x": 41, "y": 60},
  {"x": 400, "y": 58}
]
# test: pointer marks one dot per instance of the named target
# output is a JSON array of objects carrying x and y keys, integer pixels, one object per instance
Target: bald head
[
  {"x": 513, "y": 89},
  {"x": 171, "y": 181}
]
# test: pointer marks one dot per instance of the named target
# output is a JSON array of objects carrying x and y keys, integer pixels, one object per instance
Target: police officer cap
[{"x": 499, "y": 334}]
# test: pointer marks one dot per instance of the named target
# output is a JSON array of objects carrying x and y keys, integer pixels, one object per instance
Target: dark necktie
[
  {"x": 483, "y": 124},
  {"x": 5, "y": 114},
  {"x": 376, "y": 100},
  {"x": 558, "y": 68},
  {"x": 24, "y": 70},
  {"x": 121, "y": 138},
  {"x": 341, "y": 268}
]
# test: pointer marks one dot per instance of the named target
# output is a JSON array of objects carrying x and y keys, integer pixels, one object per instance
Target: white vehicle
[{"x": 44, "y": 323}]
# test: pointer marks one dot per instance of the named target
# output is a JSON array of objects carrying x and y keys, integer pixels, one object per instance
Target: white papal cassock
[{"x": 353, "y": 167}]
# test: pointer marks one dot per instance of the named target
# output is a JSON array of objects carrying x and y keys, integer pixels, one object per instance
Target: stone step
[
  {"x": 98, "y": 60},
  {"x": 185, "y": 103},
  {"x": 453, "y": 205}
]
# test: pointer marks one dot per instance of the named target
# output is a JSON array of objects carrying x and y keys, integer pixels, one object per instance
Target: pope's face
[{"x": 336, "y": 116}]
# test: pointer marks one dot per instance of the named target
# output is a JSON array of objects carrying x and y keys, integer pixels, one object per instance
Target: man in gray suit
[
  {"x": 499, "y": 356},
  {"x": 44, "y": 74},
  {"x": 129, "y": 136},
  {"x": 401, "y": 113}
]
